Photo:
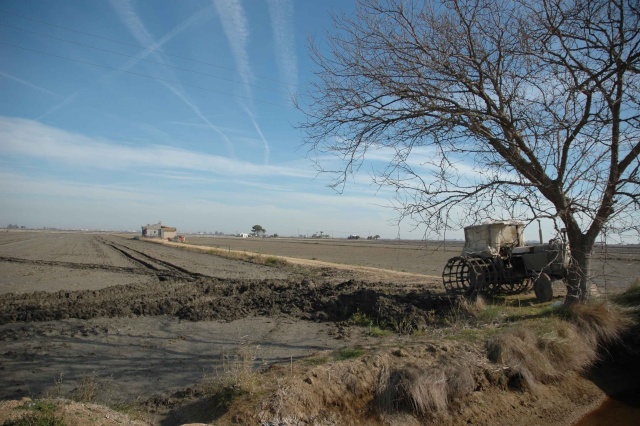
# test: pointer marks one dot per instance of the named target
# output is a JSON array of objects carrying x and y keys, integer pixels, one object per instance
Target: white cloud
[
  {"x": 135, "y": 25},
  {"x": 282, "y": 18},
  {"x": 129, "y": 17},
  {"x": 132, "y": 21},
  {"x": 200, "y": 115},
  {"x": 15, "y": 183},
  {"x": 31, "y": 139},
  {"x": 31, "y": 85},
  {"x": 236, "y": 29},
  {"x": 267, "y": 149},
  {"x": 66, "y": 101}
]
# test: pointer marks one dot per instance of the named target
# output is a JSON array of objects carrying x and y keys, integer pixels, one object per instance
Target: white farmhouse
[{"x": 159, "y": 231}]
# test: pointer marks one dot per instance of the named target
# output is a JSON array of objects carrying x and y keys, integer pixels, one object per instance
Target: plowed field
[
  {"x": 139, "y": 321},
  {"x": 145, "y": 319}
]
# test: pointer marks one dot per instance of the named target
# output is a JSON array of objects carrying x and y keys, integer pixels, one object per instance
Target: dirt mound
[
  {"x": 227, "y": 300},
  {"x": 447, "y": 383}
]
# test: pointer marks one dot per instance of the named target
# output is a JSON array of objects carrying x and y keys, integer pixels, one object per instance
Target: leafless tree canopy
[{"x": 524, "y": 108}]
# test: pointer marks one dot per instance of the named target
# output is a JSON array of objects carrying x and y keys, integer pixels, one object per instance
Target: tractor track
[
  {"x": 163, "y": 269},
  {"x": 145, "y": 264},
  {"x": 11, "y": 241},
  {"x": 72, "y": 265}
]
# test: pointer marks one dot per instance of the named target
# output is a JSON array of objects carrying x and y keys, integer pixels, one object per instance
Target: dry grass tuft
[
  {"x": 238, "y": 375},
  {"x": 464, "y": 309},
  {"x": 413, "y": 389},
  {"x": 423, "y": 390},
  {"x": 566, "y": 349},
  {"x": 599, "y": 322},
  {"x": 534, "y": 357},
  {"x": 630, "y": 297},
  {"x": 518, "y": 350},
  {"x": 460, "y": 380},
  {"x": 87, "y": 390}
]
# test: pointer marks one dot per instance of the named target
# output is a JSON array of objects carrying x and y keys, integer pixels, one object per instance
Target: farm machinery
[{"x": 496, "y": 261}]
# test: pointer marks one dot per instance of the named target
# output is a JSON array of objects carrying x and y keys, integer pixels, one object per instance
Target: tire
[{"x": 542, "y": 288}]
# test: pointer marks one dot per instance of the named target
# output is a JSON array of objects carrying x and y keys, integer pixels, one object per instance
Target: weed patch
[
  {"x": 238, "y": 377},
  {"x": 361, "y": 319},
  {"x": 377, "y": 332},
  {"x": 271, "y": 261},
  {"x": 87, "y": 390},
  {"x": 344, "y": 354},
  {"x": 41, "y": 413},
  {"x": 316, "y": 360},
  {"x": 630, "y": 297}
]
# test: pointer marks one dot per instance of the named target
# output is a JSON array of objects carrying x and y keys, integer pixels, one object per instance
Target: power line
[
  {"x": 143, "y": 75},
  {"x": 147, "y": 49},
  {"x": 143, "y": 59}
]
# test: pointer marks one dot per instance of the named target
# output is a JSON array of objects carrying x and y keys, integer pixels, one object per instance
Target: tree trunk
[{"x": 578, "y": 289}]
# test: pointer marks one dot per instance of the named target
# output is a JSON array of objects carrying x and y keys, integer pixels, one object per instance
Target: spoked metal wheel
[
  {"x": 469, "y": 276},
  {"x": 510, "y": 288},
  {"x": 455, "y": 276}
]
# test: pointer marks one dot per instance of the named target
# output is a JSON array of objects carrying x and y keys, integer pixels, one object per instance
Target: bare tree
[{"x": 518, "y": 108}]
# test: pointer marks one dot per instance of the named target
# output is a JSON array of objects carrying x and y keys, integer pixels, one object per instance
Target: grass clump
[
  {"x": 464, "y": 310},
  {"x": 413, "y": 389},
  {"x": 40, "y": 406},
  {"x": 361, "y": 319},
  {"x": 37, "y": 419},
  {"x": 375, "y": 331},
  {"x": 344, "y": 354},
  {"x": 41, "y": 413},
  {"x": 630, "y": 297},
  {"x": 237, "y": 377},
  {"x": 545, "y": 350},
  {"x": 316, "y": 360},
  {"x": 87, "y": 390},
  {"x": 424, "y": 391},
  {"x": 274, "y": 262},
  {"x": 599, "y": 322}
]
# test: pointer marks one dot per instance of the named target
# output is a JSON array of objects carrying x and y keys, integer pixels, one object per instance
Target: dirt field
[
  {"x": 137, "y": 321},
  {"x": 144, "y": 319},
  {"x": 612, "y": 269}
]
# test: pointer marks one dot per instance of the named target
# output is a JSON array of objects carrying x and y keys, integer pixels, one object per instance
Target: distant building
[{"x": 159, "y": 231}]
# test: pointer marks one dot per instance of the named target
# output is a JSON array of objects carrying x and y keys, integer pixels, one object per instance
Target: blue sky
[
  {"x": 100, "y": 130},
  {"x": 119, "y": 113}
]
